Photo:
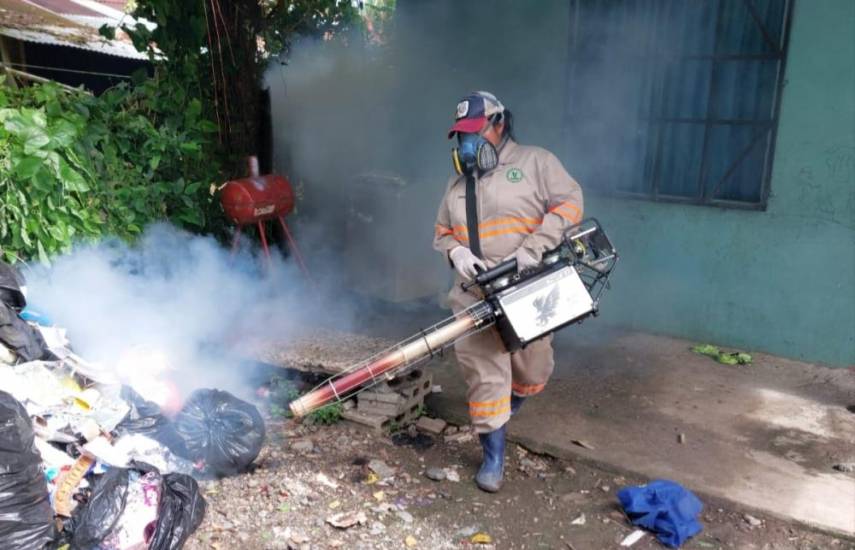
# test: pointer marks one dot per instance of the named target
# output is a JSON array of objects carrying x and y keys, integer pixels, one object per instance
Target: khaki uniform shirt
[{"x": 527, "y": 201}]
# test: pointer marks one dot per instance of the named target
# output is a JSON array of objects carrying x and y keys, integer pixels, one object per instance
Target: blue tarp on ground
[{"x": 664, "y": 507}]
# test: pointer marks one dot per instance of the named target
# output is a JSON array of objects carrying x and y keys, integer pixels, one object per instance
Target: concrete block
[
  {"x": 382, "y": 397},
  {"x": 431, "y": 425},
  {"x": 398, "y": 402},
  {"x": 416, "y": 382},
  {"x": 408, "y": 416},
  {"x": 378, "y": 407},
  {"x": 371, "y": 420},
  {"x": 403, "y": 394}
]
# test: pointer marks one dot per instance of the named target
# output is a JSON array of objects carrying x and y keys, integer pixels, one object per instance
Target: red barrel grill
[{"x": 257, "y": 199}]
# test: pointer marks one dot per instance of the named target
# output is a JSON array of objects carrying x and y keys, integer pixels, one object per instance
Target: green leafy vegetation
[
  {"x": 723, "y": 357},
  {"x": 220, "y": 49},
  {"x": 326, "y": 415},
  {"x": 283, "y": 391},
  {"x": 74, "y": 167}
]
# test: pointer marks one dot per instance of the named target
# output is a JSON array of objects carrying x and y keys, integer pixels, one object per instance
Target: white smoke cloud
[
  {"x": 174, "y": 298},
  {"x": 347, "y": 110}
]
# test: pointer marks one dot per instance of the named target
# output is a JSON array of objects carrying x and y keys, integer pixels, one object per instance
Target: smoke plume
[{"x": 175, "y": 302}]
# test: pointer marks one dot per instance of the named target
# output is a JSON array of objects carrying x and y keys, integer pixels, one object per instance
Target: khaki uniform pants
[
  {"x": 527, "y": 202},
  {"x": 491, "y": 373}
]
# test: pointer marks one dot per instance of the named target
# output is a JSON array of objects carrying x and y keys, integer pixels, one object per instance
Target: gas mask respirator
[{"x": 474, "y": 152}]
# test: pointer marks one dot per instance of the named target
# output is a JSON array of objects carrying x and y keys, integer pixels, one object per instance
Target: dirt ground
[{"x": 310, "y": 476}]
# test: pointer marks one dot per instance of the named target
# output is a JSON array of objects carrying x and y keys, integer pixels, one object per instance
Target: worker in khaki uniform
[{"x": 520, "y": 201}]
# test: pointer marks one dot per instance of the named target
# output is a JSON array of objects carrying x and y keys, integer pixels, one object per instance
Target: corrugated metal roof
[
  {"x": 29, "y": 22},
  {"x": 63, "y": 36},
  {"x": 64, "y": 7}
]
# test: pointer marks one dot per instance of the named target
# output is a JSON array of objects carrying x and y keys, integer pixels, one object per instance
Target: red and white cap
[{"x": 473, "y": 111}]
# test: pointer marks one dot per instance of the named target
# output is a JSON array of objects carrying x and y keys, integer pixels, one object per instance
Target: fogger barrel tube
[
  {"x": 425, "y": 345},
  {"x": 525, "y": 305}
]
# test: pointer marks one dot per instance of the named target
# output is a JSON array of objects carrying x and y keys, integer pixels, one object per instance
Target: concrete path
[{"x": 763, "y": 436}]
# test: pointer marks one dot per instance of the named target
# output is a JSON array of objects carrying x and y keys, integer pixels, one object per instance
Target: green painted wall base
[{"x": 780, "y": 281}]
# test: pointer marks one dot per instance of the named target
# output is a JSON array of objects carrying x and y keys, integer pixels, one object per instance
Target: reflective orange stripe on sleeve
[
  {"x": 525, "y": 230},
  {"x": 442, "y": 231},
  {"x": 514, "y": 225},
  {"x": 527, "y": 389},
  {"x": 490, "y": 403},
  {"x": 490, "y": 408},
  {"x": 509, "y": 221},
  {"x": 497, "y": 412},
  {"x": 488, "y": 234},
  {"x": 500, "y": 221},
  {"x": 568, "y": 211}
]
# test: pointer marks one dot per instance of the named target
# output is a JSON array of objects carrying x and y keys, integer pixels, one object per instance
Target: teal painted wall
[{"x": 780, "y": 281}]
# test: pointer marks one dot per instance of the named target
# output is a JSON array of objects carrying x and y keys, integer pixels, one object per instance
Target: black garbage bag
[
  {"x": 97, "y": 519},
  {"x": 101, "y": 521},
  {"x": 11, "y": 282},
  {"x": 221, "y": 430},
  {"x": 26, "y": 518},
  {"x": 21, "y": 337},
  {"x": 182, "y": 509},
  {"x": 146, "y": 418}
]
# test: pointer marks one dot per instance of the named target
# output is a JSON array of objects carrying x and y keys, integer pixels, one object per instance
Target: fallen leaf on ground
[
  {"x": 707, "y": 349},
  {"x": 743, "y": 358},
  {"x": 410, "y": 541},
  {"x": 371, "y": 478},
  {"x": 481, "y": 538},
  {"x": 346, "y": 520},
  {"x": 727, "y": 359},
  {"x": 723, "y": 357},
  {"x": 299, "y": 538}
]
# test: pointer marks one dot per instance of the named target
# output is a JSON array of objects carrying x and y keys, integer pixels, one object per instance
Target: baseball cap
[{"x": 473, "y": 111}]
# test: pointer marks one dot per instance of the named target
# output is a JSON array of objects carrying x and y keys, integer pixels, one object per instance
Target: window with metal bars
[{"x": 676, "y": 100}]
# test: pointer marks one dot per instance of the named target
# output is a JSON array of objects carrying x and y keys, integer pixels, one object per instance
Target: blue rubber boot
[
  {"x": 489, "y": 477},
  {"x": 516, "y": 403}
]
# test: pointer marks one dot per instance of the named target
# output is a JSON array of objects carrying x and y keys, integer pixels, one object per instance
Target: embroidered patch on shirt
[{"x": 514, "y": 175}]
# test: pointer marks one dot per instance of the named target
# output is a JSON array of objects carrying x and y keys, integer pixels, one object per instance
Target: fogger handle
[
  {"x": 581, "y": 229},
  {"x": 504, "y": 268}
]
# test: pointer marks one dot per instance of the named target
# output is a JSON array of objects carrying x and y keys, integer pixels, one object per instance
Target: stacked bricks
[{"x": 395, "y": 403}]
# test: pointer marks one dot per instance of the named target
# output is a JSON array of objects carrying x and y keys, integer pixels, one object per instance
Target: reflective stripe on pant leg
[
  {"x": 486, "y": 367},
  {"x": 532, "y": 367}
]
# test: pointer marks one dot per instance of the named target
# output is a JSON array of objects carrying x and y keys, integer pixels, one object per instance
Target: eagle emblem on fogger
[{"x": 546, "y": 307}]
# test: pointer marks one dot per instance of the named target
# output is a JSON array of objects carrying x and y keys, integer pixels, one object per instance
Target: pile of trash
[{"x": 88, "y": 463}]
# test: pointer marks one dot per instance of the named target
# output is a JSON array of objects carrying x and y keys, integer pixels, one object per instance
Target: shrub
[{"x": 78, "y": 167}]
